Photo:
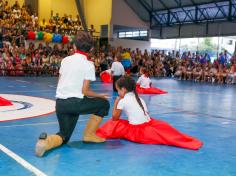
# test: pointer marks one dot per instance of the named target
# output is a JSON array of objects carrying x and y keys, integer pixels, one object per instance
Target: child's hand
[{"x": 118, "y": 99}]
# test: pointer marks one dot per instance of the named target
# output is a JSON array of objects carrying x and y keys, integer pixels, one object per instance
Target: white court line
[
  {"x": 49, "y": 90},
  {"x": 53, "y": 90},
  {"x": 30, "y": 124},
  {"x": 21, "y": 161},
  {"x": 56, "y": 122},
  {"x": 92, "y": 88},
  {"x": 53, "y": 86},
  {"x": 9, "y": 91},
  {"x": 38, "y": 124},
  {"x": 18, "y": 80}
]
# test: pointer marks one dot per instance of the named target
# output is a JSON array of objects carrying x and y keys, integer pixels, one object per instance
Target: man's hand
[{"x": 104, "y": 96}]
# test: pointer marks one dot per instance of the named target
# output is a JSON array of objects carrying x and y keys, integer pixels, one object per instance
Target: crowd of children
[
  {"x": 19, "y": 19},
  {"x": 45, "y": 58},
  {"x": 19, "y": 57}
]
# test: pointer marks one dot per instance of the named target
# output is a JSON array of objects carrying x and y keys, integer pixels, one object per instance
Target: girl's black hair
[{"x": 130, "y": 85}]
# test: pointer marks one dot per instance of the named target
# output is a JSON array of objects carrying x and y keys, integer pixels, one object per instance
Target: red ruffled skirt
[
  {"x": 4, "y": 102},
  {"x": 152, "y": 132},
  {"x": 151, "y": 90},
  {"x": 106, "y": 77}
]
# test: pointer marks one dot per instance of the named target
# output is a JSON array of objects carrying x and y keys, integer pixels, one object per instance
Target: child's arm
[
  {"x": 139, "y": 80},
  {"x": 116, "y": 112},
  {"x": 112, "y": 69}
]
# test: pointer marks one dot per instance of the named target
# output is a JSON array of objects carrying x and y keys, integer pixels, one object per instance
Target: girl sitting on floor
[
  {"x": 144, "y": 84},
  {"x": 144, "y": 81},
  {"x": 140, "y": 127}
]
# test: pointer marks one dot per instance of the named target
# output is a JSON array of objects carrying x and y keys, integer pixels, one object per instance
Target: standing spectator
[{"x": 117, "y": 70}]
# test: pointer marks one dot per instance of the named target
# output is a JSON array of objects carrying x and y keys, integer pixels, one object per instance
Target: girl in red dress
[
  {"x": 140, "y": 127},
  {"x": 5, "y": 102},
  {"x": 144, "y": 83}
]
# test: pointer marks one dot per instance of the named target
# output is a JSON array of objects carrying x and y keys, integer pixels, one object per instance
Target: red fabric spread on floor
[
  {"x": 152, "y": 132},
  {"x": 151, "y": 90},
  {"x": 106, "y": 77},
  {"x": 4, "y": 102}
]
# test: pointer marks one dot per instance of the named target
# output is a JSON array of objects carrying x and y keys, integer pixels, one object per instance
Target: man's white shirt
[{"x": 73, "y": 71}]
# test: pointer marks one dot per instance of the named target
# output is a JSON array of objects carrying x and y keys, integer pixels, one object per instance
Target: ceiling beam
[
  {"x": 149, "y": 10},
  {"x": 81, "y": 14},
  {"x": 166, "y": 8},
  {"x": 178, "y": 2},
  {"x": 163, "y": 4}
]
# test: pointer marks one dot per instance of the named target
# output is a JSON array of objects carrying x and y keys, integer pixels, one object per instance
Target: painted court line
[
  {"x": 52, "y": 86},
  {"x": 82, "y": 120},
  {"x": 18, "y": 80},
  {"x": 30, "y": 124},
  {"x": 9, "y": 91},
  {"x": 21, "y": 161},
  {"x": 152, "y": 114},
  {"x": 38, "y": 124},
  {"x": 47, "y": 90},
  {"x": 200, "y": 114}
]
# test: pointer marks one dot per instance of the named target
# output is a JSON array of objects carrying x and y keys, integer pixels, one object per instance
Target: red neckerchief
[{"x": 85, "y": 54}]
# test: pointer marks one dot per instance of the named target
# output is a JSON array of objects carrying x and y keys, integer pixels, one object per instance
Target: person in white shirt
[
  {"x": 144, "y": 81},
  {"x": 74, "y": 98},
  {"x": 117, "y": 70},
  {"x": 140, "y": 127}
]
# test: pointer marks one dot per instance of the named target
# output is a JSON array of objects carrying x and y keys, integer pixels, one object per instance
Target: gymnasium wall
[
  {"x": 97, "y": 12},
  {"x": 123, "y": 15},
  {"x": 44, "y": 9},
  {"x": 196, "y": 30},
  {"x": 11, "y": 2},
  {"x": 125, "y": 43},
  {"x": 57, "y": 6}
]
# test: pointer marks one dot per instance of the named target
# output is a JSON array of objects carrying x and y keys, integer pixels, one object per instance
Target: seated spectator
[
  {"x": 232, "y": 74},
  {"x": 19, "y": 68},
  {"x": 43, "y": 25},
  {"x": 178, "y": 72}
]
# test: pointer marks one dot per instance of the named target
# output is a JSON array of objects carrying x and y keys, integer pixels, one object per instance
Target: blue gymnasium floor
[{"x": 205, "y": 111}]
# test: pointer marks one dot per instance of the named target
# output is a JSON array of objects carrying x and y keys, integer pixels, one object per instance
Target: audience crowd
[{"x": 20, "y": 57}]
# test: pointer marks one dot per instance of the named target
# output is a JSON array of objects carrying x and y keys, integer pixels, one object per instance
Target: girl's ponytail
[
  {"x": 130, "y": 85},
  {"x": 139, "y": 101}
]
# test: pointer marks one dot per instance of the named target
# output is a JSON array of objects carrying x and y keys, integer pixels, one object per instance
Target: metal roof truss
[{"x": 203, "y": 13}]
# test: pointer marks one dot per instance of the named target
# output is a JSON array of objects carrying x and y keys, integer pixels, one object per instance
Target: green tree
[{"x": 207, "y": 45}]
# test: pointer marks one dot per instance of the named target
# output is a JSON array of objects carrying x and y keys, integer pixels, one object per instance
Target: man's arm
[{"x": 58, "y": 79}]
